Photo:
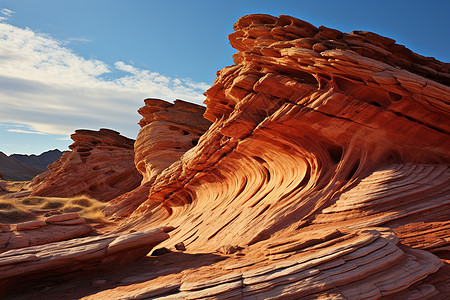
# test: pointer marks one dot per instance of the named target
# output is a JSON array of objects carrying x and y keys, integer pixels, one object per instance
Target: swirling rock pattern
[
  {"x": 101, "y": 164},
  {"x": 303, "y": 115},
  {"x": 324, "y": 173},
  {"x": 313, "y": 128}
]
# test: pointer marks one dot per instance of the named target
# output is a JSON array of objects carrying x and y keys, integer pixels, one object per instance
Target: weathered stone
[
  {"x": 180, "y": 246},
  {"x": 30, "y": 225},
  {"x": 317, "y": 139},
  {"x": 63, "y": 217},
  {"x": 100, "y": 165}
]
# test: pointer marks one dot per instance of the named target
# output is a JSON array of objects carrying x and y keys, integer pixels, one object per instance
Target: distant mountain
[
  {"x": 25, "y": 167},
  {"x": 39, "y": 162}
]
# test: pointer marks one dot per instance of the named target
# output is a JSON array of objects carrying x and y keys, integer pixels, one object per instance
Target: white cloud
[
  {"x": 6, "y": 14},
  {"x": 79, "y": 39},
  {"x": 26, "y": 131},
  {"x": 50, "y": 89}
]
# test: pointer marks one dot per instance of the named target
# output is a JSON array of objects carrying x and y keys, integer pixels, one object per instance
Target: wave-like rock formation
[
  {"x": 313, "y": 128},
  {"x": 324, "y": 173},
  {"x": 303, "y": 115},
  {"x": 101, "y": 164}
]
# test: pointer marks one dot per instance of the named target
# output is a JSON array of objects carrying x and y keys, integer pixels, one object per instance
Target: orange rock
[
  {"x": 30, "y": 225},
  {"x": 63, "y": 217},
  {"x": 311, "y": 128},
  {"x": 100, "y": 164},
  {"x": 326, "y": 151},
  {"x": 168, "y": 131}
]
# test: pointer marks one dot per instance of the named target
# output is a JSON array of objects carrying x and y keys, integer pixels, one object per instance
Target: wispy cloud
[
  {"x": 79, "y": 39},
  {"x": 25, "y": 131},
  {"x": 50, "y": 89},
  {"x": 5, "y": 14}
]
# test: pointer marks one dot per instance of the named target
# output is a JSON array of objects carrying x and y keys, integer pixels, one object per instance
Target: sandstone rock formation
[
  {"x": 313, "y": 128},
  {"x": 324, "y": 174},
  {"x": 37, "y": 232},
  {"x": 302, "y": 117},
  {"x": 77, "y": 254},
  {"x": 167, "y": 132},
  {"x": 100, "y": 165}
]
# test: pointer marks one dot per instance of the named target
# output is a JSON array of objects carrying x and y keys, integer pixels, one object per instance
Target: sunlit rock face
[
  {"x": 321, "y": 173},
  {"x": 301, "y": 118},
  {"x": 320, "y": 140},
  {"x": 101, "y": 164},
  {"x": 167, "y": 132}
]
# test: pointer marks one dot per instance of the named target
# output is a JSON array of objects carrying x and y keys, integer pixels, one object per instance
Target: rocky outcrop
[
  {"x": 325, "y": 265},
  {"x": 324, "y": 173},
  {"x": 302, "y": 117},
  {"x": 167, "y": 132},
  {"x": 312, "y": 127},
  {"x": 100, "y": 165},
  {"x": 37, "y": 232}
]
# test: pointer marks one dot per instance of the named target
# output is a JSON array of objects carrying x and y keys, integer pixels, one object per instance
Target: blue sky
[{"x": 66, "y": 65}]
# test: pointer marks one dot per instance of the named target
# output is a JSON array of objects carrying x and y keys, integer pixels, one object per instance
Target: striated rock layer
[
  {"x": 100, "y": 165},
  {"x": 303, "y": 115},
  {"x": 314, "y": 129},
  {"x": 324, "y": 174},
  {"x": 167, "y": 132}
]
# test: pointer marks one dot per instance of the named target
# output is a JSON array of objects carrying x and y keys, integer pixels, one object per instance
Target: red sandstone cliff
[{"x": 324, "y": 173}]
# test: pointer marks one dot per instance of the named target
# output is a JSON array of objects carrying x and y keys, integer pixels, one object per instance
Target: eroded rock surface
[
  {"x": 167, "y": 132},
  {"x": 38, "y": 232},
  {"x": 76, "y": 254},
  {"x": 303, "y": 116},
  {"x": 324, "y": 173},
  {"x": 101, "y": 164},
  {"x": 312, "y": 128}
]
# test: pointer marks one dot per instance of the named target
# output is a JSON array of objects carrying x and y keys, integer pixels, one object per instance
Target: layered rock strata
[
  {"x": 332, "y": 265},
  {"x": 37, "y": 232},
  {"x": 76, "y": 254},
  {"x": 303, "y": 115},
  {"x": 101, "y": 164},
  {"x": 168, "y": 130},
  {"x": 313, "y": 127},
  {"x": 325, "y": 150}
]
